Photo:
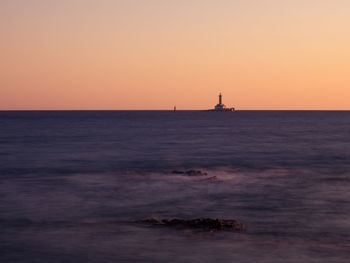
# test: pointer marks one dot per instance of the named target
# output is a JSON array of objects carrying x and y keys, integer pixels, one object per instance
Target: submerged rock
[
  {"x": 203, "y": 223},
  {"x": 190, "y": 172}
]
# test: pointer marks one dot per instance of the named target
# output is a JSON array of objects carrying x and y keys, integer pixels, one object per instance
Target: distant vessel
[{"x": 221, "y": 106}]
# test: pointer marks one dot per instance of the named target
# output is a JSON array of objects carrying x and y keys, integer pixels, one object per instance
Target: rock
[
  {"x": 203, "y": 223},
  {"x": 177, "y": 172},
  {"x": 190, "y": 172}
]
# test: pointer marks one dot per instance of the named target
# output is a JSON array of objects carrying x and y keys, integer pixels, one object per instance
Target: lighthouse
[{"x": 220, "y": 106}]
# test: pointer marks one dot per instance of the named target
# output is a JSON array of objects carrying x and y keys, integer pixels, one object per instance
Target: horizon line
[{"x": 2, "y": 110}]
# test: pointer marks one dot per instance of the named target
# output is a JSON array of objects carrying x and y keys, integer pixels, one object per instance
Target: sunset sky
[{"x": 154, "y": 54}]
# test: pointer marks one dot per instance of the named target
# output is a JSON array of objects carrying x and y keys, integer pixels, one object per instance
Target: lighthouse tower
[{"x": 220, "y": 106}]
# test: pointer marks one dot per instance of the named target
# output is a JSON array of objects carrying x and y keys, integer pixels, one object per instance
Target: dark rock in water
[
  {"x": 190, "y": 172},
  {"x": 203, "y": 223},
  {"x": 177, "y": 172}
]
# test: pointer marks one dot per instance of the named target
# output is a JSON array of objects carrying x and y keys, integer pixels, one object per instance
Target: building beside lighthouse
[{"x": 222, "y": 107}]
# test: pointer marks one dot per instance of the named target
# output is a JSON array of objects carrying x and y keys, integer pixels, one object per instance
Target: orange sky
[{"x": 154, "y": 54}]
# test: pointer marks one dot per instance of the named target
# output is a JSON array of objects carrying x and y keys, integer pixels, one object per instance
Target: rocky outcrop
[
  {"x": 190, "y": 172},
  {"x": 202, "y": 223}
]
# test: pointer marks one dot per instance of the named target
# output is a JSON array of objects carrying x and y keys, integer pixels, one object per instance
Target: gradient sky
[{"x": 154, "y": 54}]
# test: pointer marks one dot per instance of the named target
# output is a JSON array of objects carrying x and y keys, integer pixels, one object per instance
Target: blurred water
[{"x": 73, "y": 183}]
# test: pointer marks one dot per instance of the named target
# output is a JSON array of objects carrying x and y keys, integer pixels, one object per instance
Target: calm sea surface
[{"x": 72, "y": 185}]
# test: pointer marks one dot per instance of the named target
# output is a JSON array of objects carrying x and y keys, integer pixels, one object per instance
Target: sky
[{"x": 155, "y": 54}]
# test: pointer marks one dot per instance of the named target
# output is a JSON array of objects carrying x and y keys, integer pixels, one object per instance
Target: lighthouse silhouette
[{"x": 220, "y": 106}]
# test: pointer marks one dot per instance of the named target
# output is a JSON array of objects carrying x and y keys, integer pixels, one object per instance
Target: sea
[{"x": 76, "y": 185}]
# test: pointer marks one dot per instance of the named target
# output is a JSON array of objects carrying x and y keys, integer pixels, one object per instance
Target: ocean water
[{"x": 73, "y": 185}]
